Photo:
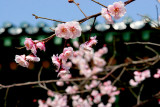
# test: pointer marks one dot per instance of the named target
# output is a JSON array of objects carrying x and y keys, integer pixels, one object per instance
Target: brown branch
[
  {"x": 139, "y": 95},
  {"x": 98, "y": 14},
  {"x": 79, "y": 8},
  {"x": 110, "y": 68},
  {"x": 99, "y": 3},
  {"x": 156, "y": 96},
  {"x": 142, "y": 43},
  {"x": 129, "y": 1},
  {"x": 37, "y": 17}
]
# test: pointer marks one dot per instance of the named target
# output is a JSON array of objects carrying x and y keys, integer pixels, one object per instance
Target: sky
[{"x": 17, "y": 11}]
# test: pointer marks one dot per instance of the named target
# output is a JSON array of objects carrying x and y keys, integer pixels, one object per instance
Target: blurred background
[{"x": 17, "y": 22}]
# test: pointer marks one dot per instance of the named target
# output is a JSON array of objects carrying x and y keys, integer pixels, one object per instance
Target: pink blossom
[
  {"x": 117, "y": 10},
  {"x": 56, "y": 62},
  {"x": 76, "y": 44},
  {"x": 112, "y": 99},
  {"x": 101, "y": 105},
  {"x": 74, "y": 28},
  {"x": 97, "y": 99},
  {"x": 21, "y": 60},
  {"x": 146, "y": 73},
  {"x": 94, "y": 83},
  {"x": 34, "y": 49},
  {"x": 133, "y": 83},
  {"x": 87, "y": 45},
  {"x": 92, "y": 41},
  {"x": 137, "y": 73},
  {"x": 71, "y": 90},
  {"x": 107, "y": 16},
  {"x": 28, "y": 43},
  {"x": 41, "y": 46},
  {"x": 158, "y": 71},
  {"x": 94, "y": 93},
  {"x": 99, "y": 61},
  {"x": 50, "y": 93},
  {"x": 68, "y": 30},
  {"x": 108, "y": 105},
  {"x": 60, "y": 83},
  {"x": 63, "y": 72},
  {"x": 156, "y": 76},
  {"x": 66, "y": 76},
  {"x": 67, "y": 52},
  {"x": 41, "y": 104},
  {"x": 62, "y": 31},
  {"x": 75, "y": 97},
  {"x": 32, "y": 58}
]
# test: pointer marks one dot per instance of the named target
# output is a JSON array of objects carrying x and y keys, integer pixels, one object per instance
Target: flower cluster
[
  {"x": 71, "y": 89},
  {"x": 79, "y": 102},
  {"x": 117, "y": 10},
  {"x": 59, "y": 101},
  {"x": 33, "y": 46},
  {"x": 86, "y": 55},
  {"x": 68, "y": 30},
  {"x": 139, "y": 77},
  {"x": 60, "y": 61},
  {"x": 157, "y": 75}
]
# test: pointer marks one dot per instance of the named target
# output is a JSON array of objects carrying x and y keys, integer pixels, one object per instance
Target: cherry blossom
[
  {"x": 87, "y": 45},
  {"x": 34, "y": 49},
  {"x": 41, "y": 46},
  {"x": 107, "y": 16},
  {"x": 62, "y": 31},
  {"x": 21, "y": 60},
  {"x": 32, "y": 58},
  {"x": 117, "y": 10},
  {"x": 71, "y": 89},
  {"x": 139, "y": 77},
  {"x": 56, "y": 62},
  {"x": 74, "y": 29},
  {"x": 67, "y": 52},
  {"x": 28, "y": 43},
  {"x": 68, "y": 30},
  {"x": 157, "y": 75}
]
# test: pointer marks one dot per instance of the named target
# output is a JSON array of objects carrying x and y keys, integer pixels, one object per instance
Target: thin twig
[
  {"x": 5, "y": 98},
  {"x": 156, "y": 96},
  {"x": 39, "y": 79},
  {"x": 99, "y": 3},
  {"x": 139, "y": 95},
  {"x": 37, "y": 17},
  {"x": 142, "y": 43},
  {"x": 79, "y": 8},
  {"x": 98, "y": 14},
  {"x": 112, "y": 68},
  {"x": 92, "y": 26},
  {"x": 118, "y": 78},
  {"x": 114, "y": 52},
  {"x": 133, "y": 93}
]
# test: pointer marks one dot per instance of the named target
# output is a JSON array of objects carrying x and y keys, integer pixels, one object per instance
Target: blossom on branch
[
  {"x": 41, "y": 46},
  {"x": 32, "y": 58},
  {"x": 21, "y": 60},
  {"x": 107, "y": 16},
  {"x": 28, "y": 43},
  {"x": 117, "y": 10},
  {"x": 68, "y": 30}
]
